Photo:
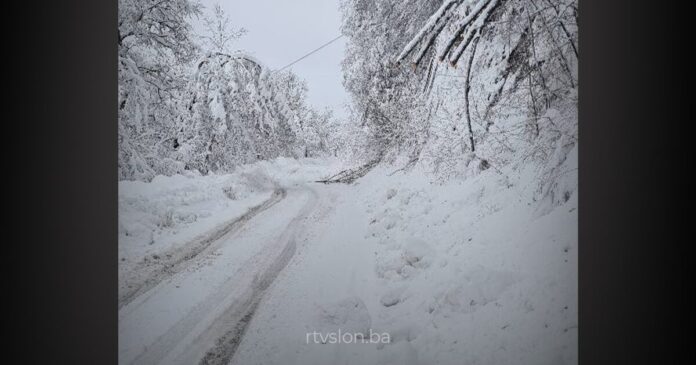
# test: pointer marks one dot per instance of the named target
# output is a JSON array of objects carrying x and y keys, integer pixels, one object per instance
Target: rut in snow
[
  {"x": 149, "y": 272},
  {"x": 241, "y": 315}
]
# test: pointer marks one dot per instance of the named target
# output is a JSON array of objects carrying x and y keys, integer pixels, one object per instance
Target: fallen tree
[{"x": 348, "y": 176}]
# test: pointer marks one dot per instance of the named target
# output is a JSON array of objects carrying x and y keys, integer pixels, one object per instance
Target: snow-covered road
[
  {"x": 148, "y": 272},
  {"x": 200, "y": 311},
  {"x": 471, "y": 271}
]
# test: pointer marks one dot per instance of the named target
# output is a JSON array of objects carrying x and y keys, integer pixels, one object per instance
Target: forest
[{"x": 454, "y": 86}]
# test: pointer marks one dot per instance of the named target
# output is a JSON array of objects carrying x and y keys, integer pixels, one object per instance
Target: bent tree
[{"x": 539, "y": 52}]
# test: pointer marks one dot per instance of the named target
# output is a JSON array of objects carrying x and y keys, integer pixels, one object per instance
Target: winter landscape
[{"x": 419, "y": 209}]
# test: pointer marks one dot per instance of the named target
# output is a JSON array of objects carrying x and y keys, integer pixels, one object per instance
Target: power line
[{"x": 308, "y": 54}]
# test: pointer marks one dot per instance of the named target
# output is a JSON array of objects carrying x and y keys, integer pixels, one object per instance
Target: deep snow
[{"x": 475, "y": 270}]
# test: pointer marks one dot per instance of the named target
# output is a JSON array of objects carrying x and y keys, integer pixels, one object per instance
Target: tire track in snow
[
  {"x": 210, "y": 332},
  {"x": 138, "y": 281},
  {"x": 227, "y": 344}
]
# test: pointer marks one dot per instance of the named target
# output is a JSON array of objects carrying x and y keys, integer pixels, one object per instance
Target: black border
[
  {"x": 65, "y": 252},
  {"x": 632, "y": 187}
]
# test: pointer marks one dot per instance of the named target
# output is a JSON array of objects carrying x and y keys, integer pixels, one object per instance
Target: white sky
[{"x": 281, "y": 31}]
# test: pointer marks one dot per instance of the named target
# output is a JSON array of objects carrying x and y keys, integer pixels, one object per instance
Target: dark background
[{"x": 61, "y": 145}]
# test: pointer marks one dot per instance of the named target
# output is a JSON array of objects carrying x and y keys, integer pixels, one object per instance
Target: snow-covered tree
[
  {"x": 448, "y": 82},
  {"x": 155, "y": 42},
  {"x": 240, "y": 112},
  {"x": 219, "y": 31},
  {"x": 185, "y": 106},
  {"x": 386, "y": 98}
]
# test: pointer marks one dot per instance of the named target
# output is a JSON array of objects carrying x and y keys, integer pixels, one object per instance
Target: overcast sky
[{"x": 281, "y": 31}]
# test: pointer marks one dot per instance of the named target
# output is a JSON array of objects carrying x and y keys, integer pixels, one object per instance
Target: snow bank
[
  {"x": 473, "y": 270},
  {"x": 481, "y": 270}
]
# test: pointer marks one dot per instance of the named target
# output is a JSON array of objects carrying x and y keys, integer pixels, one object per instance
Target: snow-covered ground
[
  {"x": 163, "y": 222},
  {"x": 471, "y": 271}
]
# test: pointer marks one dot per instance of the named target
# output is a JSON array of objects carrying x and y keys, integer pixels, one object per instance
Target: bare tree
[{"x": 219, "y": 33}]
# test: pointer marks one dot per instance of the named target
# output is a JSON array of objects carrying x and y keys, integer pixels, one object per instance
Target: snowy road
[
  {"x": 148, "y": 273},
  {"x": 198, "y": 310},
  {"x": 463, "y": 272}
]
